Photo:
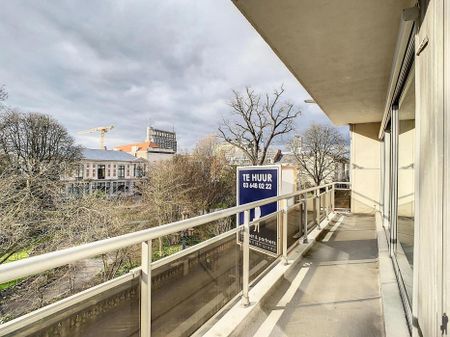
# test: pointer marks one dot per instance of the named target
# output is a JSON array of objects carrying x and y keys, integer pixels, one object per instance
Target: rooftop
[
  {"x": 107, "y": 155},
  {"x": 139, "y": 146}
]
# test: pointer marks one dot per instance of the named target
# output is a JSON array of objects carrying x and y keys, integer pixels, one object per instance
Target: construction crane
[{"x": 102, "y": 130}]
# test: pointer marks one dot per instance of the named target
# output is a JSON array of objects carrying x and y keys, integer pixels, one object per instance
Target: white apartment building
[{"x": 112, "y": 172}]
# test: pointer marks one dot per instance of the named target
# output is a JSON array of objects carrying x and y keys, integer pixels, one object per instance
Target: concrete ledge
[
  {"x": 235, "y": 318},
  {"x": 395, "y": 323}
]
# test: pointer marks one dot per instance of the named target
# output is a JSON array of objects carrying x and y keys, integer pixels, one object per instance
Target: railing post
[
  {"x": 300, "y": 217},
  {"x": 284, "y": 222},
  {"x": 329, "y": 192},
  {"x": 246, "y": 259},
  {"x": 146, "y": 289},
  {"x": 325, "y": 197},
  {"x": 331, "y": 196},
  {"x": 333, "y": 191},
  {"x": 305, "y": 219},
  {"x": 317, "y": 207}
]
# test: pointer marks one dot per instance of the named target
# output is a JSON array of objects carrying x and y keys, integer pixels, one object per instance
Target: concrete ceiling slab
[{"x": 340, "y": 51}]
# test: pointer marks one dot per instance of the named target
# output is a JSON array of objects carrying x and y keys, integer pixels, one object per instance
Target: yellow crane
[{"x": 102, "y": 130}]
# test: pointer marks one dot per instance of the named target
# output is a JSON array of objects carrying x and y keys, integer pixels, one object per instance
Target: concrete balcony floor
[{"x": 333, "y": 291}]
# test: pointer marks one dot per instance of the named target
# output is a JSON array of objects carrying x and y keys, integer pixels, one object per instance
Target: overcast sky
[{"x": 171, "y": 64}]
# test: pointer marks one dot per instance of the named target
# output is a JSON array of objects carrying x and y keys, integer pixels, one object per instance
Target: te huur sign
[{"x": 260, "y": 182}]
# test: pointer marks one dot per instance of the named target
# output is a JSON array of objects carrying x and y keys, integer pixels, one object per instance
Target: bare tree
[
  {"x": 187, "y": 186},
  {"x": 72, "y": 222},
  {"x": 256, "y": 121},
  {"x": 19, "y": 216},
  {"x": 35, "y": 144},
  {"x": 212, "y": 179},
  {"x": 207, "y": 146},
  {"x": 3, "y": 94},
  {"x": 318, "y": 151},
  {"x": 90, "y": 218},
  {"x": 34, "y": 151},
  {"x": 164, "y": 194}
]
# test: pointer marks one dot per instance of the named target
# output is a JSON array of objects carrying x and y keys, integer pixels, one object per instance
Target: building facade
[{"x": 111, "y": 172}]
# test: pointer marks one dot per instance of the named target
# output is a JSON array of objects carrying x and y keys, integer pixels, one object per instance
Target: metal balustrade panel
[
  {"x": 342, "y": 199},
  {"x": 113, "y": 313},
  {"x": 187, "y": 288},
  {"x": 294, "y": 226},
  {"x": 190, "y": 290},
  {"x": 311, "y": 209}
]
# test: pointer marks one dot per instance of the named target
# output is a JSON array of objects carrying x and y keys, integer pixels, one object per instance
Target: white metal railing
[{"x": 41, "y": 263}]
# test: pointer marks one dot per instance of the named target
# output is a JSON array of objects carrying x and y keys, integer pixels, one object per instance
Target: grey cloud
[{"x": 126, "y": 63}]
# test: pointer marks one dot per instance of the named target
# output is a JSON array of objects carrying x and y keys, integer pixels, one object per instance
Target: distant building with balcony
[
  {"x": 112, "y": 172},
  {"x": 158, "y": 145}
]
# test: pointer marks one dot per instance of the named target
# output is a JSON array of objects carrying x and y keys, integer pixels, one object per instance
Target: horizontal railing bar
[
  {"x": 295, "y": 205},
  {"x": 44, "y": 312},
  {"x": 40, "y": 263},
  {"x": 193, "y": 249},
  {"x": 264, "y": 218}
]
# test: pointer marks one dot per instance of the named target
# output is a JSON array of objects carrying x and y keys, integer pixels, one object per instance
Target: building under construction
[{"x": 164, "y": 139}]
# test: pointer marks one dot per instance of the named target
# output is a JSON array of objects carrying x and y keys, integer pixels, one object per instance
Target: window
[
  {"x": 101, "y": 172},
  {"x": 121, "y": 173},
  {"x": 386, "y": 178},
  {"x": 79, "y": 172},
  {"x": 138, "y": 171},
  {"x": 405, "y": 183}
]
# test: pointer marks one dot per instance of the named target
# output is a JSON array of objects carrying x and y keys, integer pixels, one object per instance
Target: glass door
[
  {"x": 401, "y": 215},
  {"x": 386, "y": 179},
  {"x": 404, "y": 249}
]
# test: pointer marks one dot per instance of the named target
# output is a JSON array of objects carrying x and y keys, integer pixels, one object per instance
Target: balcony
[{"x": 323, "y": 280}]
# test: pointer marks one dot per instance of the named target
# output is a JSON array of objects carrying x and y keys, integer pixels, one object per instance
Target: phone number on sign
[{"x": 261, "y": 186}]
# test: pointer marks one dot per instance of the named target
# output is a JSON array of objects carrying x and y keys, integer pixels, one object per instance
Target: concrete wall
[
  {"x": 154, "y": 157},
  {"x": 446, "y": 140},
  {"x": 365, "y": 164}
]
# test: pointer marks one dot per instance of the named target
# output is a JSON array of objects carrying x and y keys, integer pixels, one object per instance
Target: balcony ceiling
[{"x": 340, "y": 51}]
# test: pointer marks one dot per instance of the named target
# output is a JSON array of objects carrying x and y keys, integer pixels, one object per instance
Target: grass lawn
[
  {"x": 15, "y": 257},
  {"x": 18, "y": 256}
]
